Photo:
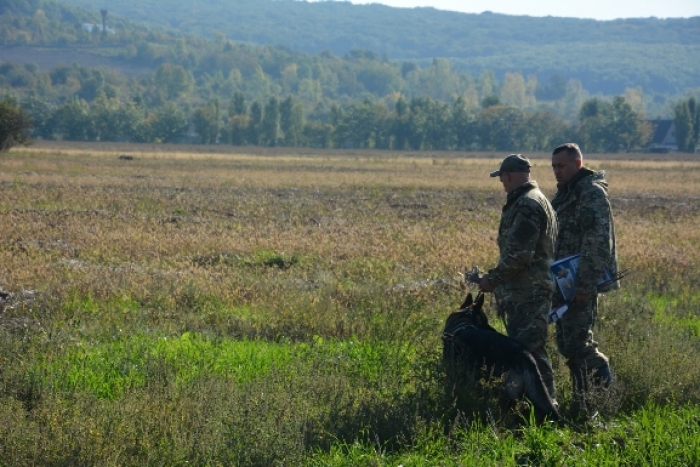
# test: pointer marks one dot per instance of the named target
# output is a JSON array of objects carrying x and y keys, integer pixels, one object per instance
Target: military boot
[{"x": 578, "y": 409}]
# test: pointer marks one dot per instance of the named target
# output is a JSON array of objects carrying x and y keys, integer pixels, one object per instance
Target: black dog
[{"x": 470, "y": 343}]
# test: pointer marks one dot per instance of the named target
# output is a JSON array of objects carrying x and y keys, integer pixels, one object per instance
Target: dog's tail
[{"x": 537, "y": 393}]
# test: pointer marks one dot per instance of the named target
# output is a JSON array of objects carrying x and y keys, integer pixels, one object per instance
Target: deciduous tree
[
  {"x": 168, "y": 124},
  {"x": 292, "y": 121},
  {"x": 41, "y": 114},
  {"x": 73, "y": 120},
  {"x": 610, "y": 127},
  {"x": 15, "y": 125},
  {"x": 237, "y": 106},
  {"x": 463, "y": 125},
  {"x": 686, "y": 116},
  {"x": 270, "y": 128},
  {"x": 254, "y": 124},
  {"x": 207, "y": 123},
  {"x": 501, "y": 128}
]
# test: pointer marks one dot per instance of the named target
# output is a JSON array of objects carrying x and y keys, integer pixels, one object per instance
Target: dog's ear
[{"x": 467, "y": 301}]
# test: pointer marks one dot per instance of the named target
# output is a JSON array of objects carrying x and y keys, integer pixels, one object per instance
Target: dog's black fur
[{"x": 470, "y": 343}]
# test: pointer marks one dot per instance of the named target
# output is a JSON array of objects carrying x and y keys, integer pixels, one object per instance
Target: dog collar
[{"x": 461, "y": 327}]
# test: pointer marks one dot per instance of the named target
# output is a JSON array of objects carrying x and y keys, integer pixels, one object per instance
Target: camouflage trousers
[
  {"x": 527, "y": 324},
  {"x": 575, "y": 336}
]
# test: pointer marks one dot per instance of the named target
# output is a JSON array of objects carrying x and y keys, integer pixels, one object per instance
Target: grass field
[{"x": 211, "y": 306}]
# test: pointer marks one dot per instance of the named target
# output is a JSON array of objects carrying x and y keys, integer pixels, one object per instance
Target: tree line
[
  {"x": 410, "y": 124},
  {"x": 171, "y": 105}
]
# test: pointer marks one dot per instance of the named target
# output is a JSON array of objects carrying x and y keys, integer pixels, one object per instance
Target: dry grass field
[
  {"x": 224, "y": 306},
  {"x": 436, "y": 214}
]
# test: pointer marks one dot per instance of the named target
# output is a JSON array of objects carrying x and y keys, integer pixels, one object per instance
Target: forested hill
[
  {"x": 661, "y": 55},
  {"x": 133, "y": 82}
]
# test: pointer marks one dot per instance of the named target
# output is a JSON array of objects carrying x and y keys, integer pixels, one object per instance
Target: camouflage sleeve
[
  {"x": 521, "y": 242},
  {"x": 596, "y": 245}
]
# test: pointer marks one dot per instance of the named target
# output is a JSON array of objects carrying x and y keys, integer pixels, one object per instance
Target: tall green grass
[
  {"x": 651, "y": 436},
  {"x": 109, "y": 370}
]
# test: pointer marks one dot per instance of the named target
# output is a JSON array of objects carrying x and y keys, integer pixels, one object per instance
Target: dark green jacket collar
[
  {"x": 514, "y": 195},
  {"x": 583, "y": 173}
]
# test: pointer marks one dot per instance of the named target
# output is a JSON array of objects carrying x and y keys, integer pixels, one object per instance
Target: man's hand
[{"x": 485, "y": 285}]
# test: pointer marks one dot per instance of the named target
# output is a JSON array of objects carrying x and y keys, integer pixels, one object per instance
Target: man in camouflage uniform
[
  {"x": 522, "y": 280},
  {"x": 586, "y": 228}
]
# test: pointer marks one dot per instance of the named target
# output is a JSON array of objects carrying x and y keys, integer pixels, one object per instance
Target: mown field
[{"x": 285, "y": 308}]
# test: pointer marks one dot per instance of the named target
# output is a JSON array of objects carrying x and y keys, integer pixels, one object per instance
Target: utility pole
[{"x": 104, "y": 22}]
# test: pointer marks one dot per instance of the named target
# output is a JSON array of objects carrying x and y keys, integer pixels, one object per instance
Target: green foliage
[
  {"x": 254, "y": 130},
  {"x": 173, "y": 80},
  {"x": 686, "y": 116},
  {"x": 501, "y": 127},
  {"x": 364, "y": 125},
  {"x": 270, "y": 125},
  {"x": 292, "y": 122},
  {"x": 73, "y": 120},
  {"x": 41, "y": 114},
  {"x": 654, "y": 435},
  {"x": 606, "y": 56},
  {"x": 428, "y": 124},
  {"x": 237, "y": 106},
  {"x": 220, "y": 68},
  {"x": 110, "y": 119},
  {"x": 109, "y": 370},
  {"x": 272, "y": 95},
  {"x": 610, "y": 127},
  {"x": 14, "y": 125},
  {"x": 418, "y": 124},
  {"x": 207, "y": 123},
  {"x": 271, "y": 258},
  {"x": 167, "y": 124},
  {"x": 665, "y": 304}
]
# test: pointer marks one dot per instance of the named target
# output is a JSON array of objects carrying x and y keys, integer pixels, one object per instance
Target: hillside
[
  {"x": 149, "y": 84},
  {"x": 48, "y": 37},
  {"x": 48, "y": 58},
  {"x": 660, "y": 55}
]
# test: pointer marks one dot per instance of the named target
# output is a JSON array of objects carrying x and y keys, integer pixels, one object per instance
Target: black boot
[{"x": 578, "y": 398}]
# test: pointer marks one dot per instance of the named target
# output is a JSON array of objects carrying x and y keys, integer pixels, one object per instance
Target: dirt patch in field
[{"x": 48, "y": 58}]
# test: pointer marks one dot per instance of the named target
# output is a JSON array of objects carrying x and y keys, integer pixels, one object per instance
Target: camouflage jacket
[
  {"x": 586, "y": 227},
  {"x": 526, "y": 239}
]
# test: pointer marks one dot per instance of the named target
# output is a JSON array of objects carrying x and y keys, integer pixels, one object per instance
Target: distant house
[
  {"x": 663, "y": 138},
  {"x": 89, "y": 27}
]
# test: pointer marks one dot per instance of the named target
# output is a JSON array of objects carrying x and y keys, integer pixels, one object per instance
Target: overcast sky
[{"x": 596, "y": 9}]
